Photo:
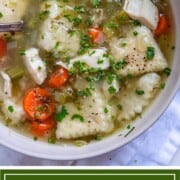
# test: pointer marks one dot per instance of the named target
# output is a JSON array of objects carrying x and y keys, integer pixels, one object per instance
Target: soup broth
[{"x": 81, "y": 70}]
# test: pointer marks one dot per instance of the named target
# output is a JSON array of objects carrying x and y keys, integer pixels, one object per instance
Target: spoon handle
[{"x": 12, "y": 27}]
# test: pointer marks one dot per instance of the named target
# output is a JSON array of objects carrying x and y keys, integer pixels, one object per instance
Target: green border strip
[{"x": 87, "y": 174}]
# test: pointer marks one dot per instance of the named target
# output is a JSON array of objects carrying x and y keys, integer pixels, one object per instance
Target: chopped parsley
[
  {"x": 79, "y": 67},
  {"x": 35, "y": 138},
  {"x": 100, "y": 61},
  {"x": 11, "y": 109},
  {"x": 110, "y": 78},
  {"x": 137, "y": 22},
  {"x": 129, "y": 127},
  {"x": 75, "y": 20},
  {"x": 173, "y": 47},
  {"x": 80, "y": 143},
  {"x": 43, "y": 14},
  {"x": 85, "y": 43},
  {"x": 1, "y": 15},
  {"x": 129, "y": 76},
  {"x": 106, "y": 110},
  {"x": 112, "y": 25},
  {"x": 22, "y": 52},
  {"x": 135, "y": 33},
  {"x": 112, "y": 90},
  {"x": 150, "y": 53},
  {"x": 77, "y": 116},
  {"x": 51, "y": 141},
  {"x": 57, "y": 45},
  {"x": 130, "y": 131},
  {"x": 162, "y": 85},
  {"x": 62, "y": 114},
  {"x": 89, "y": 21},
  {"x": 167, "y": 72},
  {"x": 119, "y": 106},
  {"x": 84, "y": 93},
  {"x": 140, "y": 92},
  {"x": 123, "y": 44},
  {"x": 80, "y": 9},
  {"x": 98, "y": 138},
  {"x": 95, "y": 3},
  {"x": 120, "y": 64}
]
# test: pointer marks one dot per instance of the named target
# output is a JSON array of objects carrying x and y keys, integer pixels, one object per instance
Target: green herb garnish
[
  {"x": 62, "y": 114},
  {"x": 77, "y": 116},
  {"x": 167, "y": 72},
  {"x": 150, "y": 53},
  {"x": 11, "y": 109},
  {"x": 140, "y": 92}
]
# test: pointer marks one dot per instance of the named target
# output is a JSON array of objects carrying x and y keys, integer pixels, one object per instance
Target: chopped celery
[
  {"x": 80, "y": 143},
  {"x": 60, "y": 97},
  {"x": 15, "y": 72},
  {"x": 122, "y": 17},
  {"x": 112, "y": 27}
]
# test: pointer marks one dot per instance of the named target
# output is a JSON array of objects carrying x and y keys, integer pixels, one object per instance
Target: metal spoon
[{"x": 12, "y": 27}]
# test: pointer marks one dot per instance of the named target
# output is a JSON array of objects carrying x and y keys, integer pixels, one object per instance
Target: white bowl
[{"x": 38, "y": 149}]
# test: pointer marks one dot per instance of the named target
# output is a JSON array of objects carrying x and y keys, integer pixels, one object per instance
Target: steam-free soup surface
[{"x": 82, "y": 70}]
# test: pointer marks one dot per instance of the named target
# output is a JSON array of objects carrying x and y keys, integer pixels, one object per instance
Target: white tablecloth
[{"x": 157, "y": 146}]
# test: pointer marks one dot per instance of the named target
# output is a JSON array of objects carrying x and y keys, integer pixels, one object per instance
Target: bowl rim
[{"x": 6, "y": 132}]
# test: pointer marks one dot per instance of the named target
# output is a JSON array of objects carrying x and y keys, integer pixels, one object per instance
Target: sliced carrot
[
  {"x": 3, "y": 47},
  {"x": 58, "y": 78},
  {"x": 96, "y": 34},
  {"x": 38, "y": 104},
  {"x": 162, "y": 25},
  {"x": 41, "y": 128}
]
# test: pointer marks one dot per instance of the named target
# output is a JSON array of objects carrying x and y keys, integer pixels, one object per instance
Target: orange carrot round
[
  {"x": 40, "y": 128},
  {"x": 38, "y": 104},
  {"x": 3, "y": 47},
  {"x": 58, "y": 78},
  {"x": 96, "y": 34},
  {"x": 162, "y": 25}
]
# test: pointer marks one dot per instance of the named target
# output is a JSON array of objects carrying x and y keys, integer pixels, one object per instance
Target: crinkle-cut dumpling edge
[
  {"x": 134, "y": 104},
  {"x": 95, "y": 119}
]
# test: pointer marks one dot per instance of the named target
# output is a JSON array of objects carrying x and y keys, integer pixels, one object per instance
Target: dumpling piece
[
  {"x": 139, "y": 51},
  {"x": 11, "y": 108},
  {"x": 97, "y": 17},
  {"x": 144, "y": 11},
  {"x": 12, "y": 10},
  {"x": 89, "y": 119},
  {"x": 137, "y": 96},
  {"x": 35, "y": 65},
  {"x": 13, "y": 111},
  {"x": 110, "y": 86},
  {"x": 95, "y": 58},
  {"x": 56, "y": 34},
  {"x": 55, "y": 8}
]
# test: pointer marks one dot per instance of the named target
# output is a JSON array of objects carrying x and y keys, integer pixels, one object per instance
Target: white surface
[{"x": 176, "y": 159}]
